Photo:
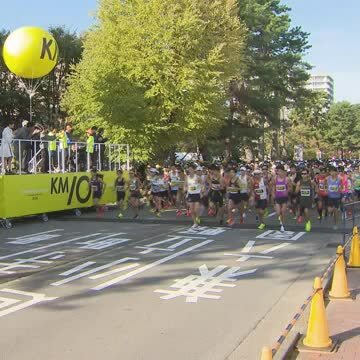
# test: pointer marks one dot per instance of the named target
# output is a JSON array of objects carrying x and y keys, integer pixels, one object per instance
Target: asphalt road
[{"x": 98, "y": 289}]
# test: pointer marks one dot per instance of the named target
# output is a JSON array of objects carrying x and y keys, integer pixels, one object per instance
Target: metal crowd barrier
[
  {"x": 35, "y": 156},
  {"x": 350, "y": 213}
]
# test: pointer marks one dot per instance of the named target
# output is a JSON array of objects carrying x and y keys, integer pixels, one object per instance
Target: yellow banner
[{"x": 22, "y": 195}]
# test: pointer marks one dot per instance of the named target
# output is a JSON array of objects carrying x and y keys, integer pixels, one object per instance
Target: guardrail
[{"x": 34, "y": 156}]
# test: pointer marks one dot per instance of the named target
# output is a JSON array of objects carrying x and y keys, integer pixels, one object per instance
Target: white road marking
[
  {"x": 92, "y": 271},
  {"x": 150, "y": 266},
  {"x": 36, "y": 298},
  {"x": 41, "y": 233},
  {"x": 278, "y": 235},
  {"x": 115, "y": 271},
  {"x": 150, "y": 250},
  {"x": 277, "y": 247},
  {"x": 153, "y": 247},
  {"x": 195, "y": 287},
  {"x": 247, "y": 248},
  {"x": 6, "y": 302},
  {"x": 49, "y": 246},
  {"x": 78, "y": 268},
  {"x": 57, "y": 257}
]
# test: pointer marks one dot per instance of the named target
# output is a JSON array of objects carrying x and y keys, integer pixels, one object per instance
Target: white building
[{"x": 322, "y": 83}]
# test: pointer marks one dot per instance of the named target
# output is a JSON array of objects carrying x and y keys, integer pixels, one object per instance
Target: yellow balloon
[{"x": 30, "y": 52}]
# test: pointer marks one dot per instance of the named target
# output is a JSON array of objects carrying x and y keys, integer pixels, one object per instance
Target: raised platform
[{"x": 25, "y": 195}]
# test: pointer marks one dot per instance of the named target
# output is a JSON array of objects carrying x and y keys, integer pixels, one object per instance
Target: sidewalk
[{"x": 344, "y": 325}]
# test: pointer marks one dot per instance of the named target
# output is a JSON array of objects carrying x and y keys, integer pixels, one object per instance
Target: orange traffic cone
[
  {"x": 354, "y": 260},
  {"x": 266, "y": 353},
  {"x": 317, "y": 335},
  {"x": 339, "y": 286}
]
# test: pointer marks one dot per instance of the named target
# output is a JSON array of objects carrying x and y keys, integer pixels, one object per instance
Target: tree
[
  {"x": 306, "y": 124},
  {"x": 342, "y": 127},
  {"x": 155, "y": 73},
  {"x": 275, "y": 74},
  {"x": 54, "y": 85}
]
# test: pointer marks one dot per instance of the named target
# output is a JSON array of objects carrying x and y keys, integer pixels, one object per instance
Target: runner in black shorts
[
  {"x": 233, "y": 191},
  {"x": 97, "y": 187},
  {"x": 216, "y": 194}
]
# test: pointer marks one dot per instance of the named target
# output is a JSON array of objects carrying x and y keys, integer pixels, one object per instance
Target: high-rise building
[{"x": 322, "y": 83}]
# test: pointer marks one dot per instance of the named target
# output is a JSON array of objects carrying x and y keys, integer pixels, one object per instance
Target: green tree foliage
[
  {"x": 306, "y": 124},
  {"x": 54, "y": 85},
  {"x": 342, "y": 127},
  {"x": 155, "y": 73},
  {"x": 275, "y": 72}
]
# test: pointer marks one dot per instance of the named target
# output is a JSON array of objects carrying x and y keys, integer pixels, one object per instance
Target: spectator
[
  {"x": 102, "y": 140},
  {"x": 51, "y": 138},
  {"x": 90, "y": 148},
  {"x": 6, "y": 147},
  {"x": 20, "y": 146}
]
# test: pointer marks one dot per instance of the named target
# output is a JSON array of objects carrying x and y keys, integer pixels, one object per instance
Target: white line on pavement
[
  {"x": 247, "y": 248},
  {"x": 277, "y": 247},
  {"x": 49, "y": 246},
  {"x": 149, "y": 266},
  {"x": 31, "y": 235}
]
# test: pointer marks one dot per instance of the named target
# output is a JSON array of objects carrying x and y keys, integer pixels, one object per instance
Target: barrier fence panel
[
  {"x": 350, "y": 217},
  {"x": 34, "y": 156}
]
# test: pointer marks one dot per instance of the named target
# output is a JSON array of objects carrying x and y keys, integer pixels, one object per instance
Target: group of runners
[{"x": 229, "y": 193}]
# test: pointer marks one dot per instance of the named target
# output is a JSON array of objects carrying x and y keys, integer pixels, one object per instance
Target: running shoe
[
  {"x": 241, "y": 220},
  {"x": 282, "y": 229},
  {"x": 244, "y": 215},
  {"x": 179, "y": 213},
  {"x": 266, "y": 212},
  {"x": 120, "y": 215},
  {"x": 135, "y": 216},
  {"x": 299, "y": 219},
  {"x": 158, "y": 214},
  {"x": 188, "y": 213},
  {"x": 195, "y": 226},
  {"x": 319, "y": 218},
  {"x": 198, "y": 220},
  {"x": 308, "y": 226},
  {"x": 257, "y": 219},
  {"x": 262, "y": 226},
  {"x": 221, "y": 222}
]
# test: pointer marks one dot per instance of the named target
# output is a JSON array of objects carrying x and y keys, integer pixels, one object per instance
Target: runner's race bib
[
  {"x": 94, "y": 187},
  {"x": 334, "y": 188},
  {"x": 280, "y": 188},
  {"x": 321, "y": 186},
  {"x": 259, "y": 191},
  {"x": 232, "y": 190},
  {"x": 120, "y": 188},
  {"x": 305, "y": 192},
  {"x": 193, "y": 188},
  {"x": 132, "y": 187}
]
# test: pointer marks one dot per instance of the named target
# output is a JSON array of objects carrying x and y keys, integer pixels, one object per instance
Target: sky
[{"x": 334, "y": 27}]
